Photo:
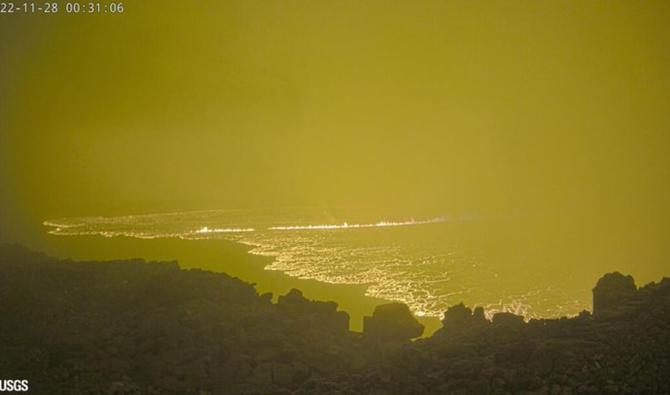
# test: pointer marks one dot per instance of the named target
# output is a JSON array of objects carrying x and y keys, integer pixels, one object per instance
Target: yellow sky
[{"x": 547, "y": 108}]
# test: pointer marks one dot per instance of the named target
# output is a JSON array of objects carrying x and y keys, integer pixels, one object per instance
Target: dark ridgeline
[{"x": 135, "y": 327}]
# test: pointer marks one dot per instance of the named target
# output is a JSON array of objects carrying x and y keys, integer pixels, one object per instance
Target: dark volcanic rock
[
  {"x": 508, "y": 320},
  {"x": 457, "y": 315},
  {"x": 612, "y": 291},
  {"x": 460, "y": 320},
  {"x": 135, "y": 327},
  {"x": 392, "y": 321},
  {"x": 323, "y": 315}
]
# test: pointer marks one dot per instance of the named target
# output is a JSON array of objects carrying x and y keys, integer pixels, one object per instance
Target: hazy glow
[
  {"x": 547, "y": 121},
  {"x": 206, "y": 229},
  {"x": 60, "y": 226},
  {"x": 346, "y": 225}
]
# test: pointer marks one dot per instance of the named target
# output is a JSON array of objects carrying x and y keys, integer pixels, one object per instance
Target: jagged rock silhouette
[
  {"x": 135, "y": 327},
  {"x": 611, "y": 291},
  {"x": 392, "y": 322}
]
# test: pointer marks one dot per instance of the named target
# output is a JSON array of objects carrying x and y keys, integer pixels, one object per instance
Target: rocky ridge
[{"x": 136, "y": 327}]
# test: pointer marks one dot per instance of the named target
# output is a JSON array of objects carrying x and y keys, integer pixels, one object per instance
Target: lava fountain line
[{"x": 345, "y": 225}]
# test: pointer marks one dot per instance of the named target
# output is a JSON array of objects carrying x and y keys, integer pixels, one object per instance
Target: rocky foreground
[{"x": 135, "y": 327}]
